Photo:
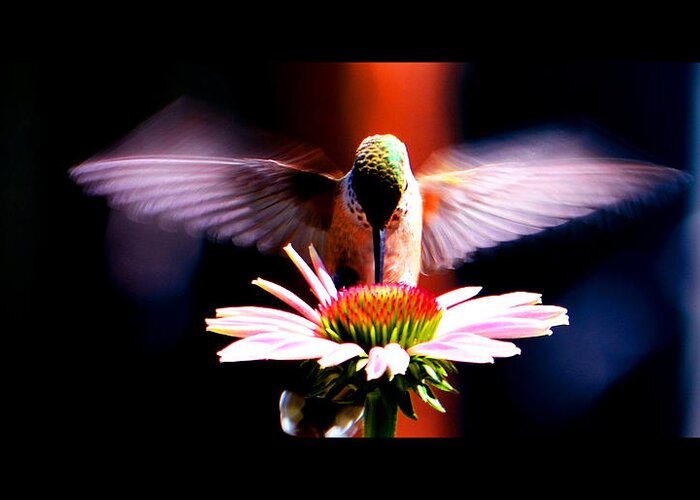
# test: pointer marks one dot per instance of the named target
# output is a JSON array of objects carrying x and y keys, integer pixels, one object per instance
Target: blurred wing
[
  {"x": 479, "y": 207},
  {"x": 267, "y": 202}
]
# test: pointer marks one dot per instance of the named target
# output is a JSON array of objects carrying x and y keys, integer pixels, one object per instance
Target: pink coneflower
[{"x": 374, "y": 343}]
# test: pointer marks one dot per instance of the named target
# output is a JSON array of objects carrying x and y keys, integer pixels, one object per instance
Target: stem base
[{"x": 380, "y": 416}]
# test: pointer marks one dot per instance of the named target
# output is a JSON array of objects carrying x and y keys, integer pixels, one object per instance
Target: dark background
[{"x": 91, "y": 363}]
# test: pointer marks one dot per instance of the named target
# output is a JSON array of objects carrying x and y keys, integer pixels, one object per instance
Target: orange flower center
[{"x": 380, "y": 314}]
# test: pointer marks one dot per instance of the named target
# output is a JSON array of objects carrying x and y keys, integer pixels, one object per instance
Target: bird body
[
  {"x": 377, "y": 222},
  {"x": 349, "y": 246}
]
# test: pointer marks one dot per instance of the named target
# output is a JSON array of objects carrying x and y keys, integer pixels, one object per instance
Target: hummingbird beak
[{"x": 378, "y": 236}]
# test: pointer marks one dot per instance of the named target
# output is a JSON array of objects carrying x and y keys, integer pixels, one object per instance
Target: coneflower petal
[
  {"x": 376, "y": 363},
  {"x": 278, "y": 346},
  {"x": 397, "y": 359},
  {"x": 245, "y": 328},
  {"x": 341, "y": 354},
  {"x": 391, "y": 358},
  {"x": 450, "y": 352},
  {"x": 496, "y": 348},
  {"x": 458, "y": 346},
  {"x": 507, "y": 328},
  {"x": 553, "y": 315},
  {"x": 289, "y": 298},
  {"x": 476, "y": 310},
  {"x": 500, "y": 302},
  {"x": 454, "y": 297},
  {"x": 322, "y": 272},
  {"x": 263, "y": 313},
  {"x": 318, "y": 289}
]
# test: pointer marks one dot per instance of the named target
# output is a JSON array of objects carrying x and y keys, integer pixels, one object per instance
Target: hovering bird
[{"x": 378, "y": 222}]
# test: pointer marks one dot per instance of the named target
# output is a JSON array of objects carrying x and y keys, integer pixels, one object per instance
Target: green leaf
[
  {"x": 427, "y": 396},
  {"x": 431, "y": 373},
  {"x": 443, "y": 385},
  {"x": 421, "y": 390},
  {"x": 414, "y": 372},
  {"x": 405, "y": 405},
  {"x": 400, "y": 383},
  {"x": 398, "y": 390}
]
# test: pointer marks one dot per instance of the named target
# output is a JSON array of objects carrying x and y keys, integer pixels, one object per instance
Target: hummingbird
[{"x": 378, "y": 222}]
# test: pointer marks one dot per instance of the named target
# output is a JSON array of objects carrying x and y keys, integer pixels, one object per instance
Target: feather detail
[
  {"x": 482, "y": 206},
  {"x": 244, "y": 200}
]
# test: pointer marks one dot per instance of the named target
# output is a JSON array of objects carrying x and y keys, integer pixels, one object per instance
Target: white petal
[
  {"x": 243, "y": 331},
  {"x": 322, "y": 272},
  {"x": 341, "y": 354},
  {"x": 465, "y": 347},
  {"x": 454, "y": 297},
  {"x": 474, "y": 311},
  {"x": 508, "y": 328},
  {"x": 376, "y": 364},
  {"x": 279, "y": 346},
  {"x": 316, "y": 286},
  {"x": 451, "y": 353},
  {"x": 290, "y": 298},
  {"x": 391, "y": 358},
  {"x": 264, "y": 312},
  {"x": 397, "y": 359},
  {"x": 247, "y": 324}
]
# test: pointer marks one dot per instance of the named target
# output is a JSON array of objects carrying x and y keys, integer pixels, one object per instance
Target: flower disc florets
[{"x": 378, "y": 315}]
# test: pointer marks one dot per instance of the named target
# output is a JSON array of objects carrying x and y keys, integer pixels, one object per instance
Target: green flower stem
[{"x": 380, "y": 416}]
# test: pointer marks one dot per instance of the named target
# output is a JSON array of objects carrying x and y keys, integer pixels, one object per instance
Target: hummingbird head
[{"x": 379, "y": 177}]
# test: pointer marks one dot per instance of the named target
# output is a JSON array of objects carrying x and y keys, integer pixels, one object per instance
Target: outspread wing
[
  {"x": 467, "y": 208},
  {"x": 266, "y": 202}
]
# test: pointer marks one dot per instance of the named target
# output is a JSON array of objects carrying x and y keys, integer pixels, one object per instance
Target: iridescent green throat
[{"x": 381, "y": 314}]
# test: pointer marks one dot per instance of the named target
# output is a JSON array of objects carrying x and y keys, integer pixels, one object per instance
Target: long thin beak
[{"x": 378, "y": 236}]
